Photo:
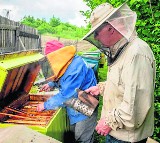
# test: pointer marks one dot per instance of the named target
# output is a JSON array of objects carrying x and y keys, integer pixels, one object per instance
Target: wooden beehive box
[{"x": 18, "y": 72}]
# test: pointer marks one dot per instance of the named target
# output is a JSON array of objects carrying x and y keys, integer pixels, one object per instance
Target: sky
[{"x": 65, "y": 10}]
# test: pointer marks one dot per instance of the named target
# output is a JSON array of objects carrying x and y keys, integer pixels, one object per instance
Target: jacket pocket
[{"x": 114, "y": 76}]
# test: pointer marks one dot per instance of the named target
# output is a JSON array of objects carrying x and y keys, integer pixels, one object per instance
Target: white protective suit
[{"x": 128, "y": 96}]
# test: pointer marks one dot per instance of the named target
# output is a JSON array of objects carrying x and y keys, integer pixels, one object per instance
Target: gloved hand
[
  {"x": 40, "y": 107},
  {"x": 102, "y": 128},
  {"x": 94, "y": 90},
  {"x": 45, "y": 87}
]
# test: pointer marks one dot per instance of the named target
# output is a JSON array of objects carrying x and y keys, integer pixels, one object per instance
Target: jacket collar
[
  {"x": 121, "y": 43},
  {"x": 119, "y": 48}
]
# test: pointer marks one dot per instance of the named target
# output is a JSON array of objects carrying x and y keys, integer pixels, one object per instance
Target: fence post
[
  {"x": 39, "y": 42},
  {"x": 17, "y": 39}
]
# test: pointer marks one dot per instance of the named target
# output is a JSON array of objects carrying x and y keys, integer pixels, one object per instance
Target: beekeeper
[
  {"x": 69, "y": 72},
  {"x": 128, "y": 94}
]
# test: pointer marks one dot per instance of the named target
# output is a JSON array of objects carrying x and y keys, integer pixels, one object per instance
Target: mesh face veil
[
  {"x": 46, "y": 68},
  {"x": 123, "y": 19}
]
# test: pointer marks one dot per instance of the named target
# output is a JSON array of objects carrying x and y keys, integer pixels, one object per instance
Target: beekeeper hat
[
  {"x": 52, "y": 46},
  {"x": 107, "y": 13}
]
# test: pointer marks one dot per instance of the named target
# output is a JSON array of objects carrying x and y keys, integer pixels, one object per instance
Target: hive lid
[
  {"x": 23, "y": 134},
  {"x": 18, "y": 71}
]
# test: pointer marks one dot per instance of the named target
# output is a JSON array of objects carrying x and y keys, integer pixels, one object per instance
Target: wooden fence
[{"x": 17, "y": 37}]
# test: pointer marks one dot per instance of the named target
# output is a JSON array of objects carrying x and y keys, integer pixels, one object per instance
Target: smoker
[{"x": 18, "y": 72}]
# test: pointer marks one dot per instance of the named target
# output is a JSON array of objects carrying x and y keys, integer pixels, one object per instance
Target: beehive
[{"x": 18, "y": 72}]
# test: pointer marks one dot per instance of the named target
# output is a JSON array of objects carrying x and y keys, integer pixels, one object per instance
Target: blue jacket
[{"x": 77, "y": 75}]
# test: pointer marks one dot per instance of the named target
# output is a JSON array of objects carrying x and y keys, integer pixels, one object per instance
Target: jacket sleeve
[
  {"x": 53, "y": 84},
  {"x": 101, "y": 86},
  {"x": 138, "y": 95},
  {"x": 72, "y": 81}
]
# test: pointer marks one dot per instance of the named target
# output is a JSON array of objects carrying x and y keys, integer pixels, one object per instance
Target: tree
[
  {"x": 28, "y": 20},
  {"x": 54, "y": 21}
]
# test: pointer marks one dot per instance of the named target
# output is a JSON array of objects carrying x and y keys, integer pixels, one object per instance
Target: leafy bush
[
  {"x": 55, "y": 27},
  {"x": 148, "y": 29}
]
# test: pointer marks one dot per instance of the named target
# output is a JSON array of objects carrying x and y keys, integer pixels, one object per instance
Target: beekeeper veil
[
  {"x": 123, "y": 19},
  {"x": 57, "y": 58}
]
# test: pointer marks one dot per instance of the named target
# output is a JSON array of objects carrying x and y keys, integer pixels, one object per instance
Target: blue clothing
[{"x": 77, "y": 75}]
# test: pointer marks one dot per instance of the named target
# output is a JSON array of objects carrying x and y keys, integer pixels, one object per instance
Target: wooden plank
[
  {"x": 10, "y": 31},
  {"x": 31, "y": 76},
  {"x": 19, "y": 72},
  {"x": 24, "y": 69},
  {"x": 10, "y": 81},
  {"x": 41, "y": 98},
  {"x": 17, "y": 116},
  {"x": 30, "y": 122},
  {"x": 21, "y": 133},
  {"x": 6, "y": 49},
  {"x": 0, "y": 32},
  {"x": 7, "y": 27}
]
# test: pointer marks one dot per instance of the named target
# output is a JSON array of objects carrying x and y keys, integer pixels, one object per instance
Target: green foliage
[
  {"x": 69, "y": 31},
  {"x": 148, "y": 28},
  {"x": 45, "y": 28},
  {"x": 34, "y": 90},
  {"x": 102, "y": 75},
  {"x": 79, "y": 53},
  {"x": 55, "y": 27},
  {"x": 92, "y": 49},
  {"x": 54, "y": 21}
]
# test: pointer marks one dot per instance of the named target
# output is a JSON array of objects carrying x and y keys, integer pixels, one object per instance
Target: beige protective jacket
[{"x": 128, "y": 98}]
